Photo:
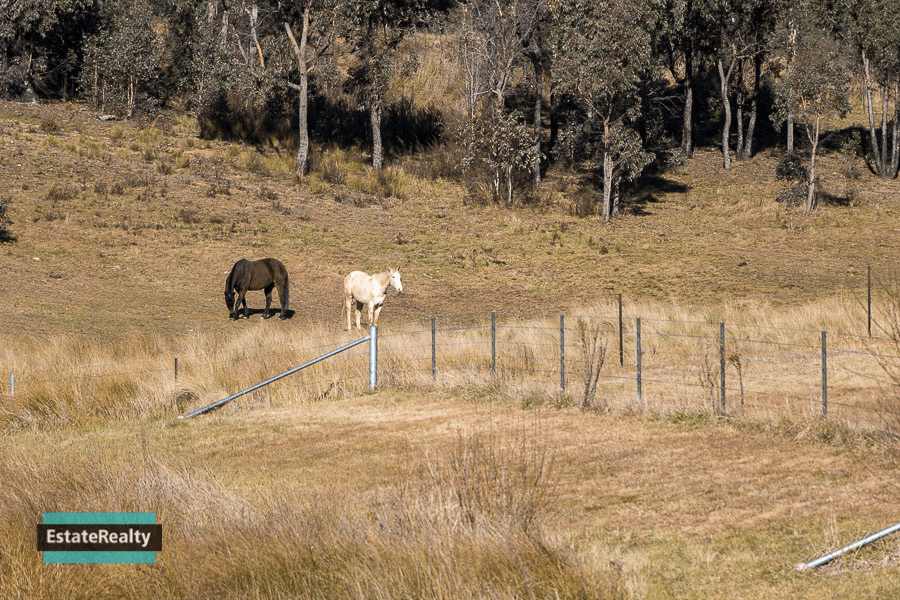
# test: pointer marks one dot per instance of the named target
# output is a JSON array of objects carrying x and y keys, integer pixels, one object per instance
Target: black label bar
[{"x": 103, "y": 538}]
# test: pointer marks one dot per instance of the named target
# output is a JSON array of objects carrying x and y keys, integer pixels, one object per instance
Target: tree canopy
[{"x": 628, "y": 81}]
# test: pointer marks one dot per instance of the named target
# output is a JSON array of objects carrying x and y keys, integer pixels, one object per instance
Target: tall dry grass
[
  {"x": 465, "y": 521},
  {"x": 773, "y": 365}
]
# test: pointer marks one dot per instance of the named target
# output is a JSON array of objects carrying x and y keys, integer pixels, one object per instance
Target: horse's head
[
  {"x": 395, "y": 279},
  {"x": 229, "y": 300}
]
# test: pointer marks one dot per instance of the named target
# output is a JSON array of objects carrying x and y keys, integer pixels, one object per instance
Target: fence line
[{"x": 652, "y": 363}]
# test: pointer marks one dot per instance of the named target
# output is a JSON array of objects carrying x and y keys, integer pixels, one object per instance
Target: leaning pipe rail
[
  {"x": 848, "y": 548},
  {"x": 372, "y": 338}
]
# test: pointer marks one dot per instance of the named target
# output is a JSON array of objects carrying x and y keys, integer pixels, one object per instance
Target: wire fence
[{"x": 612, "y": 361}]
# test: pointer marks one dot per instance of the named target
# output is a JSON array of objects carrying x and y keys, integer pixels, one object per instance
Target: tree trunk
[
  {"x": 876, "y": 152},
  {"x": 811, "y": 190},
  {"x": 793, "y": 32},
  {"x": 687, "y": 142},
  {"x": 607, "y": 174},
  {"x": 302, "y": 163},
  {"x": 375, "y": 118},
  {"x": 538, "y": 64},
  {"x": 790, "y": 134},
  {"x": 607, "y": 186},
  {"x": 884, "y": 131},
  {"x": 895, "y": 151},
  {"x": 739, "y": 99},
  {"x": 554, "y": 122},
  {"x": 253, "y": 13},
  {"x": 726, "y": 105},
  {"x": 616, "y": 194},
  {"x": 754, "y": 107}
]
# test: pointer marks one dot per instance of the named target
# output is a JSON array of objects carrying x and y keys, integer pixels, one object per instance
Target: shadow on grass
[
  {"x": 273, "y": 313},
  {"x": 647, "y": 191}
]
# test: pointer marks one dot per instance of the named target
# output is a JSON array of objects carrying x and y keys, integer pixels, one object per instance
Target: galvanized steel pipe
[
  {"x": 206, "y": 409},
  {"x": 848, "y": 548}
]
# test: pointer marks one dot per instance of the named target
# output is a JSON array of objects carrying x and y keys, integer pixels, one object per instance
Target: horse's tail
[{"x": 287, "y": 293}]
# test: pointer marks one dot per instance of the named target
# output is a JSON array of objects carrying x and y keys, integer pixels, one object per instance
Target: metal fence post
[
  {"x": 176, "y": 368},
  {"x": 869, "y": 298},
  {"x": 12, "y": 385},
  {"x": 373, "y": 356},
  {"x": 433, "y": 351},
  {"x": 493, "y": 344},
  {"x": 562, "y": 353},
  {"x": 640, "y": 392},
  {"x": 621, "y": 344},
  {"x": 824, "y": 378},
  {"x": 722, "y": 367}
]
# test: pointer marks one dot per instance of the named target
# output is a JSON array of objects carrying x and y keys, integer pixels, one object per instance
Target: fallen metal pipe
[
  {"x": 848, "y": 548},
  {"x": 215, "y": 405}
]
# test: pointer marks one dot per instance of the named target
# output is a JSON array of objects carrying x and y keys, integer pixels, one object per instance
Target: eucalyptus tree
[
  {"x": 495, "y": 36},
  {"x": 536, "y": 50},
  {"x": 318, "y": 31},
  {"x": 230, "y": 73},
  {"x": 122, "y": 61},
  {"x": 736, "y": 26},
  {"x": 877, "y": 36},
  {"x": 39, "y": 44},
  {"x": 374, "y": 30},
  {"x": 603, "y": 57},
  {"x": 681, "y": 40},
  {"x": 819, "y": 91},
  {"x": 759, "y": 22},
  {"x": 783, "y": 41}
]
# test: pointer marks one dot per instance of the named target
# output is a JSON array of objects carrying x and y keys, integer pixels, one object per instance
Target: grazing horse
[
  {"x": 265, "y": 274},
  {"x": 369, "y": 291}
]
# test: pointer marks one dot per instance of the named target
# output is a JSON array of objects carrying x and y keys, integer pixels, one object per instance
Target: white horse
[{"x": 369, "y": 291}]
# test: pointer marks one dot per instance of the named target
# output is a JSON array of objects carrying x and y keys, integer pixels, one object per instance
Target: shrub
[
  {"x": 391, "y": 182},
  {"x": 5, "y": 234},
  {"x": 791, "y": 168},
  {"x": 794, "y": 195},
  {"x": 55, "y": 194}
]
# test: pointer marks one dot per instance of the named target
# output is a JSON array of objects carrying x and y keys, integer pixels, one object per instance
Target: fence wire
[{"x": 759, "y": 371}]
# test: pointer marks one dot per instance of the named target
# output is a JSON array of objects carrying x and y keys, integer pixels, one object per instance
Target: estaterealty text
[{"x": 102, "y": 536}]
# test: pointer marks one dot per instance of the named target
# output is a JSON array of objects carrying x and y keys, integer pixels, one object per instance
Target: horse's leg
[
  {"x": 268, "y": 291},
  {"x": 348, "y": 303},
  {"x": 371, "y": 311},
  {"x": 359, "y": 307},
  {"x": 283, "y": 297},
  {"x": 242, "y": 300},
  {"x": 377, "y": 312}
]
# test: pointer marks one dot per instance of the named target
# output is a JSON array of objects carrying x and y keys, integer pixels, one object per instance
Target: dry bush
[
  {"x": 593, "y": 355},
  {"x": 49, "y": 126}
]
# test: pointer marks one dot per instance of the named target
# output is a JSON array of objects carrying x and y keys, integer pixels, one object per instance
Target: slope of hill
[{"x": 123, "y": 227}]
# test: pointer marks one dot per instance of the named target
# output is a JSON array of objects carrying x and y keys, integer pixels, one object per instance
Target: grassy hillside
[
  {"x": 129, "y": 228},
  {"x": 464, "y": 489}
]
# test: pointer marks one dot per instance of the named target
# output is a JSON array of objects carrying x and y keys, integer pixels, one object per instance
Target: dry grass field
[{"x": 459, "y": 488}]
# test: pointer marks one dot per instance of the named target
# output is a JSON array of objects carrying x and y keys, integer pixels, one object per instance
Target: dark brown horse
[{"x": 266, "y": 274}]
